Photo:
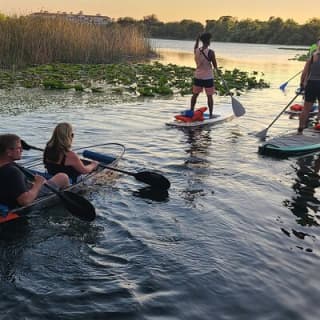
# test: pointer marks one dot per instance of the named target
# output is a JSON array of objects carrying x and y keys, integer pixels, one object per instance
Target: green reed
[{"x": 28, "y": 40}]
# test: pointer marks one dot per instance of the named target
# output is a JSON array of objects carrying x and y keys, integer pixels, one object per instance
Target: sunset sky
[{"x": 172, "y": 10}]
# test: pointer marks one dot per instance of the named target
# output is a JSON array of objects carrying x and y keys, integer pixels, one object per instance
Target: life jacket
[
  {"x": 197, "y": 116},
  {"x": 296, "y": 107}
]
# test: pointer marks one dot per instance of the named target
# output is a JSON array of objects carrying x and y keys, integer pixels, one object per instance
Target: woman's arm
[
  {"x": 72, "y": 159},
  {"x": 213, "y": 60},
  {"x": 196, "y": 45}
]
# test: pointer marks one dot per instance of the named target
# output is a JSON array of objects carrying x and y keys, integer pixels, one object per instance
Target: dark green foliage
[
  {"x": 141, "y": 79},
  {"x": 230, "y": 29}
]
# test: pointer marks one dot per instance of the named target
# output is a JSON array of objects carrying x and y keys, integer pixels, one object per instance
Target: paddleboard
[
  {"x": 292, "y": 144},
  {"x": 220, "y": 114}
]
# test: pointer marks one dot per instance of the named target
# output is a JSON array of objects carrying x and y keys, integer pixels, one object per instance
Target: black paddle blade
[
  {"x": 26, "y": 146},
  {"x": 155, "y": 180},
  {"x": 78, "y": 205}
]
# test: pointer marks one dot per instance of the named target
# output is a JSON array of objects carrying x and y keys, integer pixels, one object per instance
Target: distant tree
[
  {"x": 126, "y": 21},
  {"x": 311, "y": 31}
]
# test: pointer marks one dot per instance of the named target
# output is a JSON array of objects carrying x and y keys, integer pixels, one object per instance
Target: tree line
[{"x": 229, "y": 29}]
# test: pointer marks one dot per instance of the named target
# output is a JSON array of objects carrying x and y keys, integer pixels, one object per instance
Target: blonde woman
[{"x": 58, "y": 156}]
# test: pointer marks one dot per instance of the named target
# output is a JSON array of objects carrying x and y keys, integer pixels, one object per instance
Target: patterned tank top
[{"x": 204, "y": 66}]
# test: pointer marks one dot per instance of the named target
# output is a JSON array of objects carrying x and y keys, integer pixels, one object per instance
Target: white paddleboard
[{"x": 220, "y": 114}]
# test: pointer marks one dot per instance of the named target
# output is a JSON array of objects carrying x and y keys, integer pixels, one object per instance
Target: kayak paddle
[
  {"x": 26, "y": 146},
  {"x": 77, "y": 205},
  {"x": 155, "y": 180},
  {"x": 262, "y": 134},
  {"x": 237, "y": 107},
  {"x": 283, "y": 86}
]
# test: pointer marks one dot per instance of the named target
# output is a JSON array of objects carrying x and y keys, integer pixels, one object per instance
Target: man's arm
[{"x": 30, "y": 195}]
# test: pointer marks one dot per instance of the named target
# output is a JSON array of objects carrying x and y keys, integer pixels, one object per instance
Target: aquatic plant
[{"x": 140, "y": 79}]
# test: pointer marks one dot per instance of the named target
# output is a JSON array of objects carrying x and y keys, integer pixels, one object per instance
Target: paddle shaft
[
  {"x": 295, "y": 76},
  {"x": 153, "y": 179},
  {"x": 118, "y": 170},
  {"x": 283, "y": 110}
]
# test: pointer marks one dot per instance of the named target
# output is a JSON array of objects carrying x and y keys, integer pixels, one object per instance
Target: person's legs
[
  {"x": 304, "y": 116},
  {"x": 61, "y": 180},
  {"x": 210, "y": 104},
  {"x": 310, "y": 96},
  {"x": 194, "y": 100},
  {"x": 210, "y": 92}
]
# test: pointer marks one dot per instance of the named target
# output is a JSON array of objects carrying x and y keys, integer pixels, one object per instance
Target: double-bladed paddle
[
  {"x": 155, "y": 180},
  {"x": 237, "y": 107},
  {"x": 262, "y": 134},
  {"x": 74, "y": 203},
  {"x": 26, "y": 146}
]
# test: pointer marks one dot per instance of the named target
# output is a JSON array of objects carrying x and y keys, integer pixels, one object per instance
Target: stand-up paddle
[
  {"x": 155, "y": 180},
  {"x": 237, "y": 107},
  {"x": 283, "y": 86},
  {"x": 74, "y": 203},
  {"x": 262, "y": 134}
]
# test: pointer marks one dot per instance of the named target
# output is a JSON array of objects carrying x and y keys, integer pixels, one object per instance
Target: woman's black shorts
[{"x": 312, "y": 91}]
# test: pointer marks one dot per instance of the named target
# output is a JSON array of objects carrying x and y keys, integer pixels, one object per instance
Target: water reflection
[
  {"x": 12, "y": 237},
  {"x": 198, "y": 141},
  {"x": 305, "y": 202},
  {"x": 154, "y": 194}
]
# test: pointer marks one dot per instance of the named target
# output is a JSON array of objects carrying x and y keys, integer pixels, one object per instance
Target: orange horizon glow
[{"x": 169, "y": 11}]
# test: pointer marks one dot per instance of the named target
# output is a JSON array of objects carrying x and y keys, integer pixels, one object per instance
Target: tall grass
[{"x": 34, "y": 40}]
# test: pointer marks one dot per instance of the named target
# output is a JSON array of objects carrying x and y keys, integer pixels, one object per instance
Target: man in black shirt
[{"x": 14, "y": 189}]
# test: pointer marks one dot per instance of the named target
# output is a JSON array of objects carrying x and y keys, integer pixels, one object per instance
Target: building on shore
[{"x": 75, "y": 17}]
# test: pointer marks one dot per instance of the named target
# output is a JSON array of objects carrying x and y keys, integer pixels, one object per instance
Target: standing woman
[
  {"x": 203, "y": 76},
  {"x": 310, "y": 82},
  {"x": 58, "y": 156}
]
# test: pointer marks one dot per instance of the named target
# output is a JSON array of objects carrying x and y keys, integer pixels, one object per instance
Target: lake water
[{"x": 237, "y": 236}]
